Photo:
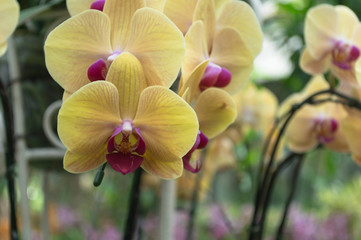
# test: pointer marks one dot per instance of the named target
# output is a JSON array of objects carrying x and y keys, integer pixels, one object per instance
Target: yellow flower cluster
[
  {"x": 333, "y": 43},
  {"x": 116, "y": 60}
]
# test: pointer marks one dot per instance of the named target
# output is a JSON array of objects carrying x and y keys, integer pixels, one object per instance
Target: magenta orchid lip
[{"x": 125, "y": 148}]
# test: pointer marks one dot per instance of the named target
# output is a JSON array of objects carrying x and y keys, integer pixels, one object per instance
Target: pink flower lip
[
  {"x": 201, "y": 142},
  {"x": 344, "y": 55},
  {"x": 98, "y": 5},
  {"x": 125, "y": 148},
  {"x": 98, "y": 70},
  {"x": 215, "y": 76}
]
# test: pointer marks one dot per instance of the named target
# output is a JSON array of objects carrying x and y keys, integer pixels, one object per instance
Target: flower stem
[
  {"x": 10, "y": 159},
  {"x": 131, "y": 223},
  {"x": 293, "y": 185},
  {"x": 167, "y": 209}
]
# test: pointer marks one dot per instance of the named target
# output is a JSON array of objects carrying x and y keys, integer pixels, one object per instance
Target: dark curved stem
[
  {"x": 10, "y": 160},
  {"x": 283, "y": 165},
  {"x": 131, "y": 223},
  {"x": 257, "y": 221},
  {"x": 293, "y": 185}
]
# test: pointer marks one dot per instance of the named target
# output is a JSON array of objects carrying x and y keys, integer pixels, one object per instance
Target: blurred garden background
[{"x": 327, "y": 202}]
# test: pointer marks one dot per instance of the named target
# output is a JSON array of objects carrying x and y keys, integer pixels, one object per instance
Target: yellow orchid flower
[
  {"x": 256, "y": 107},
  {"x": 78, "y": 6},
  {"x": 315, "y": 124},
  {"x": 82, "y": 48},
  {"x": 9, "y": 15},
  {"x": 333, "y": 41},
  {"x": 229, "y": 43},
  {"x": 181, "y": 12},
  {"x": 126, "y": 124}
]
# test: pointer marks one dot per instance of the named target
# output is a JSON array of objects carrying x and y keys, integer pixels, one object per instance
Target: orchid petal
[
  {"x": 320, "y": 30},
  {"x": 314, "y": 66},
  {"x": 127, "y": 75},
  {"x": 300, "y": 136},
  {"x": 159, "y": 46},
  {"x": 352, "y": 127},
  {"x": 180, "y": 12},
  {"x": 205, "y": 12},
  {"x": 167, "y": 123},
  {"x": 231, "y": 52},
  {"x": 170, "y": 168},
  {"x": 215, "y": 110},
  {"x": 74, "y": 46},
  {"x": 192, "y": 83},
  {"x": 78, "y": 6},
  {"x": 78, "y": 163},
  {"x": 124, "y": 163},
  {"x": 9, "y": 15},
  {"x": 196, "y": 49},
  {"x": 3, "y": 48},
  {"x": 120, "y": 13},
  {"x": 240, "y": 16},
  {"x": 156, "y": 4},
  {"x": 347, "y": 21},
  {"x": 87, "y": 119}
]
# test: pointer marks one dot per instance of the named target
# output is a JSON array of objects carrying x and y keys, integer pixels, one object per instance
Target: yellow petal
[
  {"x": 352, "y": 127},
  {"x": 314, "y": 66},
  {"x": 127, "y": 75},
  {"x": 218, "y": 5},
  {"x": 166, "y": 122},
  {"x": 231, "y": 52},
  {"x": 190, "y": 88},
  {"x": 156, "y": 4},
  {"x": 169, "y": 169},
  {"x": 76, "y": 44},
  {"x": 120, "y": 13},
  {"x": 3, "y": 47},
  {"x": 180, "y": 12},
  {"x": 88, "y": 117},
  {"x": 159, "y": 46},
  {"x": 205, "y": 12},
  {"x": 9, "y": 15},
  {"x": 215, "y": 110},
  {"x": 78, "y": 163},
  {"x": 196, "y": 49},
  {"x": 300, "y": 136},
  {"x": 316, "y": 84},
  {"x": 78, "y": 6},
  {"x": 320, "y": 30},
  {"x": 347, "y": 21},
  {"x": 239, "y": 15}
]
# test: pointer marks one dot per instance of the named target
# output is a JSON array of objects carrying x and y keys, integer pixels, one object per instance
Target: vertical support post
[
  {"x": 20, "y": 144},
  {"x": 167, "y": 209}
]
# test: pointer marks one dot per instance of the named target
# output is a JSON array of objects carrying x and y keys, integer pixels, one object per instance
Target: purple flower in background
[
  {"x": 66, "y": 217},
  {"x": 302, "y": 226},
  {"x": 110, "y": 232},
  {"x": 336, "y": 226},
  {"x": 218, "y": 225}
]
